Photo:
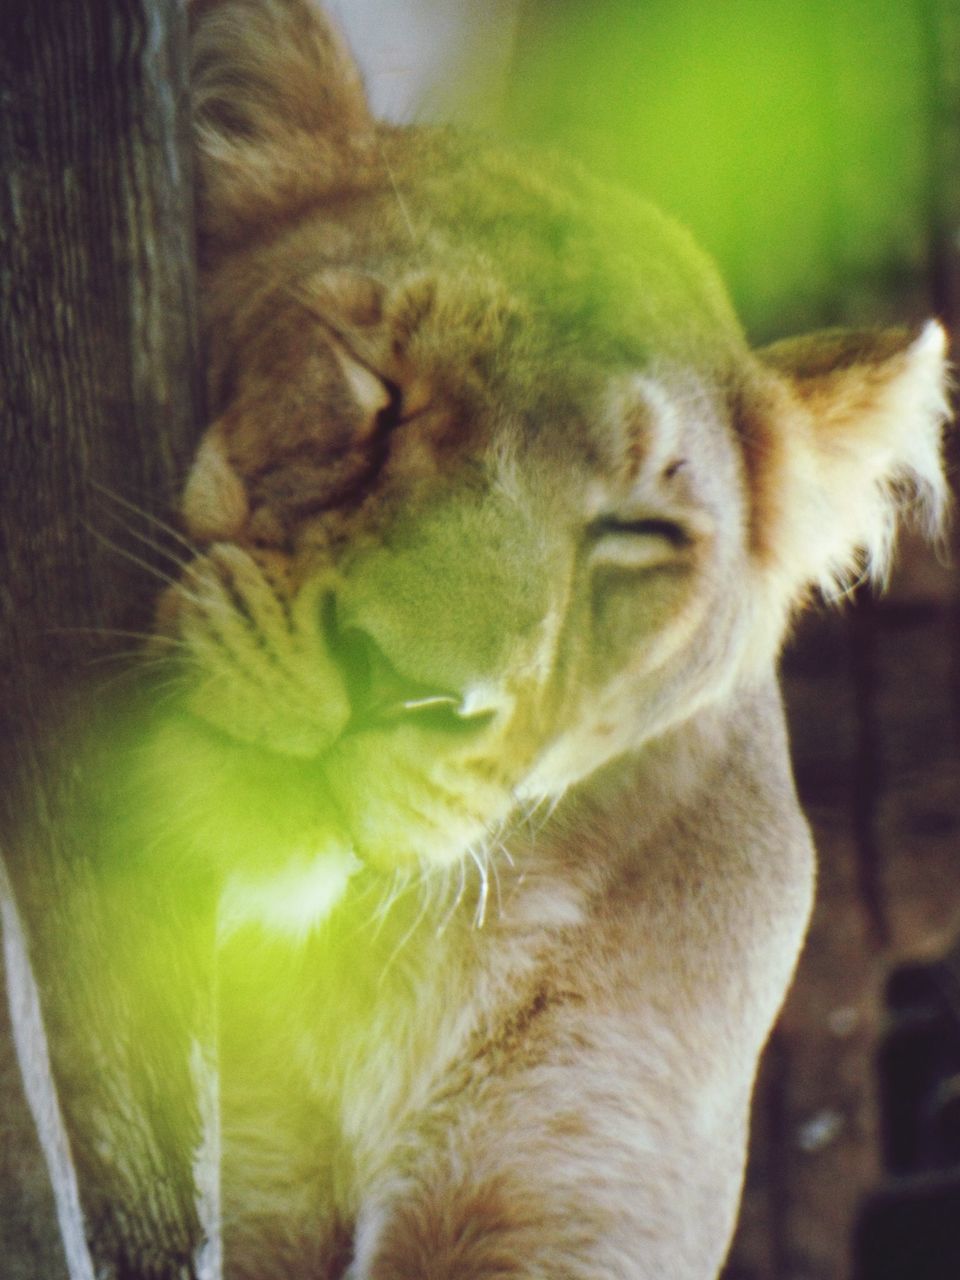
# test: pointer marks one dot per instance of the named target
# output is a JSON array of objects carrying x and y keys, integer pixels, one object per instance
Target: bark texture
[{"x": 98, "y": 409}]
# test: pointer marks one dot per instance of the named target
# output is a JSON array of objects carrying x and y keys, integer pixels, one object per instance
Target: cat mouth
[
  {"x": 434, "y": 713},
  {"x": 380, "y": 696},
  {"x": 436, "y": 724},
  {"x": 417, "y": 786}
]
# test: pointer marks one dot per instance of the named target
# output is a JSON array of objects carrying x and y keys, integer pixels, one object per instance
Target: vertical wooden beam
[
  {"x": 99, "y": 405},
  {"x": 97, "y": 328}
]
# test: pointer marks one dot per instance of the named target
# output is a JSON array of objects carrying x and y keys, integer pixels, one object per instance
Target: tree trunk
[{"x": 98, "y": 409}]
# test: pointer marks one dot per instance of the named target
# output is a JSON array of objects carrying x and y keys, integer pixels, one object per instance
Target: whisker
[
  {"x": 524, "y": 815},
  {"x": 551, "y": 810},
  {"x": 425, "y": 901},
  {"x": 131, "y": 556},
  {"x": 480, "y": 914},
  {"x": 501, "y": 846},
  {"x": 399, "y": 883},
  {"x": 186, "y": 566},
  {"x": 496, "y": 880},
  {"x": 372, "y": 890},
  {"x": 135, "y": 657},
  {"x": 399, "y": 198},
  {"x": 149, "y": 516},
  {"x": 461, "y": 888},
  {"x": 546, "y": 806},
  {"x": 159, "y": 692},
  {"x": 110, "y": 633},
  {"x": 165, "y": 693},
  {"x": 366, "y": 888},
  {"x": 133, "y": 667}
]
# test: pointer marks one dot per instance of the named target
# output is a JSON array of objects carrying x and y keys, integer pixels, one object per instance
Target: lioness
[{"x": 494, "y": 540}]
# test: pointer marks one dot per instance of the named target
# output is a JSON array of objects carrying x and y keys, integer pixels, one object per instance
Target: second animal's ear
[
  {"x": 843, "y": 437},
  {"x": 279, "y": 112}
]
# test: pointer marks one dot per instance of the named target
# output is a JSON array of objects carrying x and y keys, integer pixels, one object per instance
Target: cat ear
[
  {"x": 279, "y": 111},
  {"x": 840, "y": 442}
]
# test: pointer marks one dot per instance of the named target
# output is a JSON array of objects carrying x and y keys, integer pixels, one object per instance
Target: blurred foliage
[{"x": 792, "y": 136}]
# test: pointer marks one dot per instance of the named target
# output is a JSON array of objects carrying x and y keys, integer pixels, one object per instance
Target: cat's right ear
[{"x": 279, "y": 113}]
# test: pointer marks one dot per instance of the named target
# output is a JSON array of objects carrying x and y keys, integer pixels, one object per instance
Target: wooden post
[
  {"x": 97, "y": 331},
  {"x": 98, "y": 410}
]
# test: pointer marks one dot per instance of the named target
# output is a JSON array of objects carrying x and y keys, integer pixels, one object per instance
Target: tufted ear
[
  {"x": 842, "y": 440},
  {"x": 279, "y": 112}
]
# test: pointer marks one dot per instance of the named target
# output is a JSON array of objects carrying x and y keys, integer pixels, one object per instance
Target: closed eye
[
  {"x": 391, "y": 415},
  {"x": 651, "y": 527}
]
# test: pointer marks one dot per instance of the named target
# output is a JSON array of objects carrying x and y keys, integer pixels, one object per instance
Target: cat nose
[{"x": 380, "y": 695}]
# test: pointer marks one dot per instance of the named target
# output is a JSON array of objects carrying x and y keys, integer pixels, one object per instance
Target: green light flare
[
  {"x": 789, "y": 136},
  {"x": 230, "y": 808},
  {"x": 199, "y": 857},
  {"x": 175, "y": 810},
  {"x": 292, "y": 901}
]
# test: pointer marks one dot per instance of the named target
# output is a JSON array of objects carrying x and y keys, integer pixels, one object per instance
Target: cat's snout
[{"x": 379, "y": 694}]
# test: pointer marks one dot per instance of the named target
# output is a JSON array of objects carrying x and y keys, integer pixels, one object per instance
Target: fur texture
[{"x": 499, "y": 525}]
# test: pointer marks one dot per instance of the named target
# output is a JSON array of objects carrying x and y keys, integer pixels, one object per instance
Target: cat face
[
  {"x": 438, "y": 569},
  {"x": 495, "y": 491}
]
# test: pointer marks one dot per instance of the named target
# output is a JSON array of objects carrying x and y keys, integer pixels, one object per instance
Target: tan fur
[{"x": 501, "y": 525}]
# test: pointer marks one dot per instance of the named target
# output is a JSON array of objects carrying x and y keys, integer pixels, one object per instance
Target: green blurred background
[{"x": 811, "y": 146}]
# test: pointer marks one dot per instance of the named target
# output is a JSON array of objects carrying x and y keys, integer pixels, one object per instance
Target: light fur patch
[{"x": 290, "y": 902}]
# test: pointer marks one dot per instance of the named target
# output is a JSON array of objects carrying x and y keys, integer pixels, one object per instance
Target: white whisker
[
  {"x": 545, "y": 806},
  {"x": 154, "y": 544},
  {"x": 524, "y": 814},
  {"x": 508, "y": 856},
  {"x": 458, "y": 898},
  {"x": 144, "y": 514},
  {"x": 107, "y": 633},
  {"x": 480, "y": 914},
  {"x": 496, "y": 879},
  {"x": 126, "y": 554},
  {"x": 399, "y": 198},
  {"x": 396, "y": 888},
  {"x": 425, "y": 901}
]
